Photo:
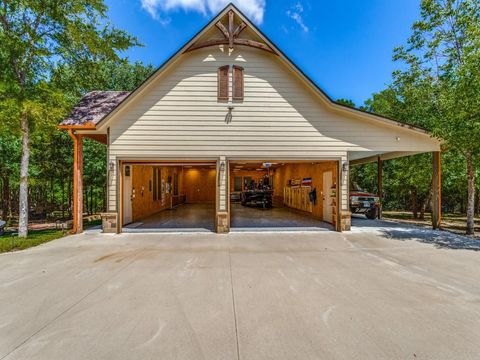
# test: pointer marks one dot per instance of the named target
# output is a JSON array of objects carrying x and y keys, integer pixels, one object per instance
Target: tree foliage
[
  {"x": 438, "y": 89},
  {"x": 37, "y": 37}
]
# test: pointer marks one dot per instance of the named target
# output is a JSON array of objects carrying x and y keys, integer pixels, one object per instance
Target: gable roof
[{"x": 187, "y": 47}]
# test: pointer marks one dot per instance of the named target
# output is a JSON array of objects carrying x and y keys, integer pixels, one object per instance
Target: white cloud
[
  {"x": 295, "y": 13},
  {"x": 254, "y": 9}
]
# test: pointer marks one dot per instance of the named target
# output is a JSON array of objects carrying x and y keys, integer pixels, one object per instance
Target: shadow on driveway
[{"x": 402, "y": 232}]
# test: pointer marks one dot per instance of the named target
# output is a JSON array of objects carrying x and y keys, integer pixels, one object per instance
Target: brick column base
[
  {"x": 345, "y": 220},
  {"x": 222, "y": 223},
  {"x": 109, "y": 222}
]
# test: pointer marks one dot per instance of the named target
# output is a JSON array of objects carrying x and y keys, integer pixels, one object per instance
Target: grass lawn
[
  {"x": 9, "y": 242},
  {"x": 452, "y": 222}
]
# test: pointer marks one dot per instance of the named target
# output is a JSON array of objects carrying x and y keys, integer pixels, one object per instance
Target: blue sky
[{"x": 345, "y": 46}]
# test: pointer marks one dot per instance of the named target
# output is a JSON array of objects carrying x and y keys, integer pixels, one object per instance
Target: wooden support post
[
  {"x": 437, "y": 190},
  {"x": 77, "y": 182},
  {"x": 380, "y": 185}
]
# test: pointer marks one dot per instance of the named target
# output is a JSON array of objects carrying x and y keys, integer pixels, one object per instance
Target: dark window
[
  {"x": 223, "y": 82},
  {"x": 238, "y": 83},
  {"x": 127, "y": 170},
  {"x": 159, "y": 184},
  {"x": 175, "y": 184},
  {"x": 237, "y": 183},
  {"x": 155, "y": 194}
]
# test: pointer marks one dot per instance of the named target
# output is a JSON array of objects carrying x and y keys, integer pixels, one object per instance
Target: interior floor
[
  {"x": 247, "y": 218},
  {"x": 187, "y": 217}
]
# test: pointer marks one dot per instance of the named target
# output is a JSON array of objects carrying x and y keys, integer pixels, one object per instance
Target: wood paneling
[
  {"x": 300, "y": 171},
  {"x": 143, "y": 203},
  {"x": 200, "y": 185}
]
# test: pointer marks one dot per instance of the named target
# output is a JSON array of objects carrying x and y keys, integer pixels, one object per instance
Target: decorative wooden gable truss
[{"x": 231, "y": 36}]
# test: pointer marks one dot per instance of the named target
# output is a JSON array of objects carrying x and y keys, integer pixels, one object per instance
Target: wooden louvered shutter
[
  {"x": 238, "y": 83},
  {"x": 223, "y": 82}
]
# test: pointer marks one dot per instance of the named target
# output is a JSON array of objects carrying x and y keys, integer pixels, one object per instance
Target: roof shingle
[{"x": 94, "y": 106}]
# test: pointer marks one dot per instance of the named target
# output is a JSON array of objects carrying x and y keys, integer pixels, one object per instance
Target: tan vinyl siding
[{"x": 178, "y": 116}]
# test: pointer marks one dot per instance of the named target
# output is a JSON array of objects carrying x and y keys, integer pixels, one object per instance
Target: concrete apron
[{"x": 239, "y": 296}]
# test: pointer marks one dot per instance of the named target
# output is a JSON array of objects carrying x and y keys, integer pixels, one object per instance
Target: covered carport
[{"x": 358, "y": 159}]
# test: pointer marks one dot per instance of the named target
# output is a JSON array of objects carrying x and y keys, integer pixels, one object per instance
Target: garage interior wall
[
  {"x": 197, "y": 184},
  {"x": 200, "y": 185},
  {"x": 301, "y": 171},
  {"x": 144, "y": 203}
]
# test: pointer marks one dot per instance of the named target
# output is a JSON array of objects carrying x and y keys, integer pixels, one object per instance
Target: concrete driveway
[{"x": 382, "y": 291}]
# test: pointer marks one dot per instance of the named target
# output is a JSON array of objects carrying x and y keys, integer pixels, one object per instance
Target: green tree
[
  {"x": 346, "y": 102},
  {"x": 36, "y": 37},
  {"x": 441, "y": 82}
]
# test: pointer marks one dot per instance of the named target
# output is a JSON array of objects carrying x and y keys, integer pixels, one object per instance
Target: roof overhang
[
  {"x": 86, "y": 126},
  {"x": 89, "y": 128}
]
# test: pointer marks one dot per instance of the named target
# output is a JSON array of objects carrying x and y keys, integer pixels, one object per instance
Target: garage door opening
[
  {"x": 163, "y": 197},
  {"x": 283, "y": 196}
]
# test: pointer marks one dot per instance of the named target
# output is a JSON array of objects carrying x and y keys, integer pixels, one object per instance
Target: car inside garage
[
  {"x": 277, "y": 195},
  {"x": 165, "y": 196}
]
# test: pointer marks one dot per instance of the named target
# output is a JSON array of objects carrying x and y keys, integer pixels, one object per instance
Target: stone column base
[
  {"x": 345, "y": 221},
  {"x": 109, "y": 222},
  {"x": 222, "y": 223}
]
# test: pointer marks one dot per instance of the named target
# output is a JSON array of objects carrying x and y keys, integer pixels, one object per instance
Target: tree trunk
[
  {"x": 63, "y": 198},
  {"x": 69, "y": 192},
  {"x": 423, "y": 207},
  {"x": 91, "y": 199},
  {"x": 5, "y": 195},
  {"x": 414, "y": 203},
  {"x": 471, "y": 194},
  {"x": 23, "y": 194}
]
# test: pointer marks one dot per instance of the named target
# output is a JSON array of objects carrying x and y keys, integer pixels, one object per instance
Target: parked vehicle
[
  {"x": 258, "y": 198},
  {"x": 362, "y": 202},
  {"x": 2, "y": 227}
]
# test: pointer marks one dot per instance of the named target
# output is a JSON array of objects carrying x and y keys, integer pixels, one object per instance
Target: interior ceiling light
[{"x": 268, "y": 164}]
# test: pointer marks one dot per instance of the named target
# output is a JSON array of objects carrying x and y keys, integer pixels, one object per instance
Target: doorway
[
  {"x": 280, "y": 196},
  {"x": 169, "y": 196},
  {"x": 127, "y": 194}
]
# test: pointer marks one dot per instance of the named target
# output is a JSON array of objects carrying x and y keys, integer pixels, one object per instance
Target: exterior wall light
[
  {"x": 228, "y": 117},
  {"x": 111, "y": 165}
]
